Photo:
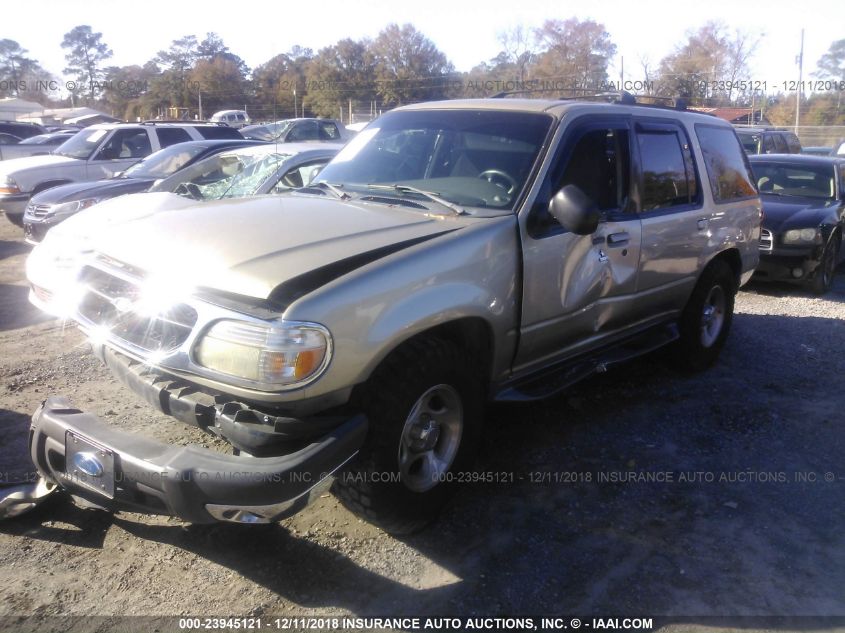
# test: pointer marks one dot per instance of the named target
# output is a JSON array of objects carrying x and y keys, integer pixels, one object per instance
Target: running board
[{"x": 555, "y": 379}]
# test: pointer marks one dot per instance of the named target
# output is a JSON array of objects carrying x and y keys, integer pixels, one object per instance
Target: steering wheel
[
  {"x": 188, "y": 189},
  {"x": 499, "y": 178}
]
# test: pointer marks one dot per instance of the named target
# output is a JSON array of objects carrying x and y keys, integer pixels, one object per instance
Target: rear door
[
  {"x": 577, "y": 288},
  {"x": 674, "y": 223}
]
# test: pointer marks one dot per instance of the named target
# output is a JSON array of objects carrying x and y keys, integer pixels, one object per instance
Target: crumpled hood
[
  {"x": 781, "y": 214},
  {"x": 249, "y": 246},
  {"x": 108, "y": 188}
]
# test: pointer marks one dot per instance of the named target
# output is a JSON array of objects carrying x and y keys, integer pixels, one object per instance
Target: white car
[{"x": 97, "y": 152}]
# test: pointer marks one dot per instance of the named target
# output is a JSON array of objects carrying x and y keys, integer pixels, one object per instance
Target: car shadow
[
  {"x": 580, "y": 515},
  {"x": 785, "y": 289},
  {"x": 15, "y": 309},
  {"x": 12, "y": 248}
]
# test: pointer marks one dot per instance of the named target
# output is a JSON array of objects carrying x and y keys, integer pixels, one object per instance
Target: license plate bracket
[{"x": 89, "y": 465}]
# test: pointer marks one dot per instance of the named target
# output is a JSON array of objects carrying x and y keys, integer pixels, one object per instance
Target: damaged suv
[{"x": 451, "y": 254}]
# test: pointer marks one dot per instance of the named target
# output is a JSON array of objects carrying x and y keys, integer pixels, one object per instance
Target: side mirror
[{"x": 575, "y": 210}]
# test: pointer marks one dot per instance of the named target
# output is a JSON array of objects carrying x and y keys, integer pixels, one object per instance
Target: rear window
[
  {"x": 218, "y": 131},
  {"x": 793, "y": 144},
  {"x": 168, "y": 136},
  {"x": 727, "y": 166}
]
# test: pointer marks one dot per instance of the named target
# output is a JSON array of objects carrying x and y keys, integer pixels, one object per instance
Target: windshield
[
  {"x": 164, "y": 162},
  {"x": 783, "y": 179},
  {"x": 469, "y": 157},
  {"x": 225, "y": 175},
  {"x": 82, "y": 145}
]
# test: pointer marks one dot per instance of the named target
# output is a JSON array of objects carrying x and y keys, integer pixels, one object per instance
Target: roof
[
  {"x": 559, "y": 107},
  {"x": 734, "y": 115},
  {"x": 797, "y": 159}
]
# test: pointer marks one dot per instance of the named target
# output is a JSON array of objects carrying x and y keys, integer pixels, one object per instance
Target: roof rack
[
  {"x": 183, "y": 122},
  {"x": 616, "y": 96}
]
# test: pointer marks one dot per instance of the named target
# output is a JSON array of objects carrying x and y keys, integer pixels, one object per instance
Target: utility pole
[
  {"x": 800, "y": 90},
  {"x": 199, "y": 95}
]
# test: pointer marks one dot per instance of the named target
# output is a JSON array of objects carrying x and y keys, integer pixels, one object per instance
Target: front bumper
[
  {"x": 14, "y": 206},
  {"x": 784, "y": 265},
  {"x": 122, "y": 471},
  {"x": 36, "y": 228}
]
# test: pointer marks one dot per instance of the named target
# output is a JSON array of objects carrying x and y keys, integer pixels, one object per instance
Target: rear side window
[
  {"x": 780, "y": 144},
  {"x": 329, "y": 132},
  {"x": 168, "y": 136},
  {"x": 666, "y": 163},
  {"x": 727, "y": 166},
  {"x": 218, "y": 131},
  {"x": 793, "y": 144}
]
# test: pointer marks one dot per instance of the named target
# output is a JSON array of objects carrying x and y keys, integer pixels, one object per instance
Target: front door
[{"x": 577, "y": 288}]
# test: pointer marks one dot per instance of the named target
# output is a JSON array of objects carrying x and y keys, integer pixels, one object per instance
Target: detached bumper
[{"x": 121, "y": 471}]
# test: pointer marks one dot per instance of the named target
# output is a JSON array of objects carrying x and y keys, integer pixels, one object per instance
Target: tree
[
  {"x": 574, "y": 52},
  {"x": 709, "y": 64},
  {"x": 86, "y": 53},
  {"x": 221, "y": 83},
  {"x": 125, "y": 88},
  {"x": 831, "y": 65},
  {"x": 338, "y": 74},
  {"x": 408, "y": 66},
  {"x": 212, "y": 47},
  {"x": 275, "y": 81},
  {"x": 517, "y": 53},
  {"x": 14, "y": 66},
  {"x": 171, "y": 88}
]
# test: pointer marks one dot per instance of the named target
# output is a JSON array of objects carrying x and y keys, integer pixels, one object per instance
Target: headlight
[
  {"x": 69, "y": 208},
  {"x": 271, "y": 355},
  {"x": 799, "y": 236},
  {"x": 53, "y": 268},
  {"x": 9, "y": 187}
]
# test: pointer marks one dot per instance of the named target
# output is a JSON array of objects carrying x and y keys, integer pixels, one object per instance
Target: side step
[{"x": 558, "y": 377}]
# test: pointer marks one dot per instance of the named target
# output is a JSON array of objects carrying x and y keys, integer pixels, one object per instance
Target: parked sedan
[
  {"x": 803, "y": 218},
  {"x": 34, "y": 145},
  {"x": 249, "y": 171},
  {"x": 48, "y": 208}
]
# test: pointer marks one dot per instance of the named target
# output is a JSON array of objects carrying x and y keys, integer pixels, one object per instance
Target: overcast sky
[{"x": 464, "y": 31}]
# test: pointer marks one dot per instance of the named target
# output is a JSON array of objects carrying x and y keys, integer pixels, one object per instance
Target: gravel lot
[{"x": 745, "y": 522}]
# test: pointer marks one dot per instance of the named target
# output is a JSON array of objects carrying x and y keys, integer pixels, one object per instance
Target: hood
[
  {"x": 781, "y": 213},
  {"x": 250, "y": 246},
  {"x": 96, "y": 189},
  {"x": 15, "y": 166}
]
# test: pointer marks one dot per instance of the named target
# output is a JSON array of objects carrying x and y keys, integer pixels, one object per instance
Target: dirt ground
[{"x": 588, "y": 523}]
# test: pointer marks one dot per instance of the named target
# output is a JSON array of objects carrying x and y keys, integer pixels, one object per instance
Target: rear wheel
[
  {"x": 707, "y": 318},
  {"x": 822, "y": 279},
  {"x": 424, "y": 407}
]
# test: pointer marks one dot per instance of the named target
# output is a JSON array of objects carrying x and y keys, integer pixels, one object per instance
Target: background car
[
  {"x": 55, "y": 205},
  {"x": 817, "y": 150},
  {"x": 21, "y": 129},
  {"x": 803, "y": 218},
  {"x": 35, "y": 145},
  {"x": 295, "y": 130},
  {"x": 96, "y": 152},
  {"x": 249, "y": 171},
  {"x": 233, "y": 118},
  {"x": 758, "y": 140}
]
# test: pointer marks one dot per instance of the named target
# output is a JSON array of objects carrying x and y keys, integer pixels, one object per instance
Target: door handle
[
  {"x": 618, "y": 239},
  {"x": 703, "y": 223}
]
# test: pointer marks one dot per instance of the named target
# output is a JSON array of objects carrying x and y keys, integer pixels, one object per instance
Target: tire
[
  {"x": 424, "y": 405},
  {"x": 706, "y": 319},
  {"x": 16, "y": 219},
  {"x": 822, "y": 279}
]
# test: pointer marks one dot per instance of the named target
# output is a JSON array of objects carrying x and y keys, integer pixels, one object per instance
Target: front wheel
[
  {"x": 707, "y": 317},
  {"x": 424, "y": 407},
  {"x": 822, "y": 280}
]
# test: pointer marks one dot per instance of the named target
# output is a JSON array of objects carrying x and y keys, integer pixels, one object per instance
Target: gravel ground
[{"x": 745, "y": 518}]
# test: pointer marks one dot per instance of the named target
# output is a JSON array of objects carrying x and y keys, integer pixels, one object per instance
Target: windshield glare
[
  {"x": 226, "y": 175},
  {"x": 794, "y": 180},
  {"x": 472, "y": 158},
  {"x": 164, "y": 162},
  {"x": 82, "y": 145}
]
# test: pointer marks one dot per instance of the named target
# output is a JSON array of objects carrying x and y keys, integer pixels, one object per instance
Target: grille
[
  {"x": 111, "y": 301},
  {"x": 38, "y": 210},
  {"x": 765, "y": 240}
]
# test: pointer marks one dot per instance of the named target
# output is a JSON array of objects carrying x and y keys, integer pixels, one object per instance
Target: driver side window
[{"x": 598, "y": 163}]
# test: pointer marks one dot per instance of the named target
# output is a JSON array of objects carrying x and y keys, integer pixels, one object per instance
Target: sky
[{"x": 465, "y": 31}]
